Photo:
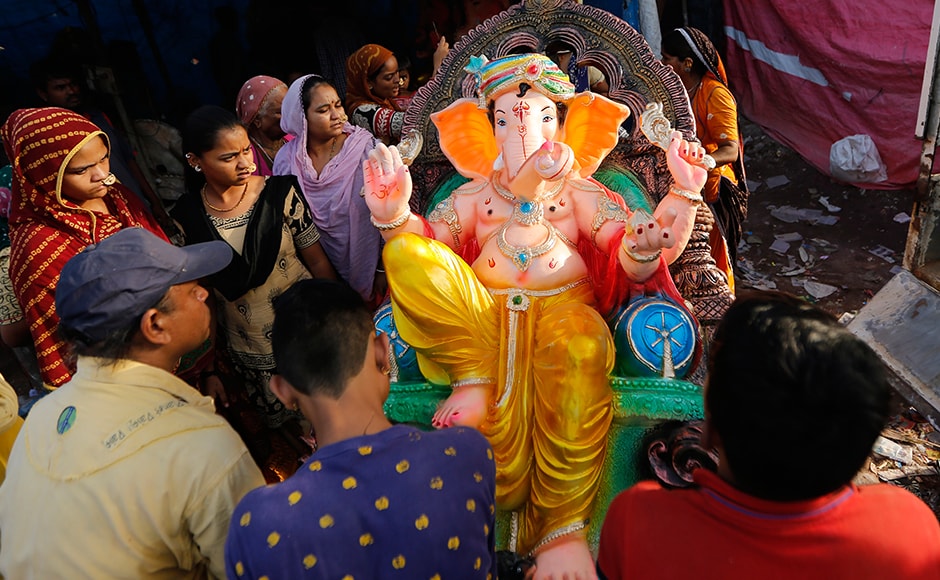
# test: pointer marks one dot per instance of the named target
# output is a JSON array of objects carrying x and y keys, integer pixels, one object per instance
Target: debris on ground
[
  {"x": 818, "y": 289},
  {"x": 780, "y": 246},
  {"x": 790, "y": 214},
  {"x": 777, "y": 181},
  {"x": 856, "y": 251},
  {"x": 907, "y": 454},
  {"x": 886, "y": 254},
  {"x": 829, "y": 207},
  {"x": 750, "y": 276}
]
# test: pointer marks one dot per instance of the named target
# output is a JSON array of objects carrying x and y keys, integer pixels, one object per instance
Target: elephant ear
[
  {"x": 591, "y": 129},
  {"x": 466, "y": 138}
]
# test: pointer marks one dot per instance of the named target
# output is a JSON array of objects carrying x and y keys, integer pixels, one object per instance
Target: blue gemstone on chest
[{"x": 526, "y": 207}]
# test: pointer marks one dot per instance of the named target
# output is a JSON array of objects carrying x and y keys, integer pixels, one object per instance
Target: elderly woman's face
[
  {"x": 387, "y": 82},
  {"x": 268, "y": 120}
]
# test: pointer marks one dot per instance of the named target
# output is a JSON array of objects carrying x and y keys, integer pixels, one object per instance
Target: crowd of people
[{"x": 179, "y": 379}]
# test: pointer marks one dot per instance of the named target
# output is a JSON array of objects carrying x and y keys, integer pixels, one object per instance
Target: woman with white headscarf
[{"x": 326, "y": 155}]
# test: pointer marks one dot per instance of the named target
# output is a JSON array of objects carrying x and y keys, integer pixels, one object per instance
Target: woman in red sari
[{"x": 64, "y": 198}]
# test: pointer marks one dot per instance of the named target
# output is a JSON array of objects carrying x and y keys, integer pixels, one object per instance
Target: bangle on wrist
[
  {"x": 395, "y": 223},
  {"x": 690, "y": 196},
  {"x": 639, "y": 258}
]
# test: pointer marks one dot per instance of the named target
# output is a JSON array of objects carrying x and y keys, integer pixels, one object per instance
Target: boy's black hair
[
  {"x": 785, "y": 382},
  {"x": 321, "y": 333}
]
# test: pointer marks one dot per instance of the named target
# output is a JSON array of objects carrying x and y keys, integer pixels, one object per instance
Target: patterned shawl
[
  {"x": 350, "y": 241},
  {"x": 252, "y": 96},
  {"x": 47, "y": 229},
  {"x": 360, "y": 65},
  {"x": 705, "y": 52}
]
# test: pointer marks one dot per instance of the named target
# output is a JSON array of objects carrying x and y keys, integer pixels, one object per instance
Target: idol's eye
[
  {"x": 501, "y": 122},
  {"x": 548, "y": 119}
]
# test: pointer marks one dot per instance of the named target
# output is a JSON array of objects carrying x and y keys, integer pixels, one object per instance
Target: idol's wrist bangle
[
  {"x": 395, "y": 223},
  {"x": 639, "y": 258},
  {"x": 690, "y": 196}
]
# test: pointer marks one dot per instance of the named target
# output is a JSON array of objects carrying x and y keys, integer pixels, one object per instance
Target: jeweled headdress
[{"x": 497, "y": 76}]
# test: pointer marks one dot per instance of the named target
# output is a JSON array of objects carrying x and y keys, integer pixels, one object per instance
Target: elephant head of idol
[{"x": 524, "y": 103}]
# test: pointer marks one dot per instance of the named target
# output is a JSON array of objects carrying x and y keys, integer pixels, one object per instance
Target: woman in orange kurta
[{"x": 693, "y": 57}]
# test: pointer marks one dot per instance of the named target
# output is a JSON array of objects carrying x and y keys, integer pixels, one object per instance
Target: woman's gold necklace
[
  {"x": 332, "y": 152},
  {"x": 205, "y": 198}
]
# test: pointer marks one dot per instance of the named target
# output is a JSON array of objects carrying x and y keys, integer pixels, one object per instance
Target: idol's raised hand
[
  {"x": 387, "y": 184},
  {"x": 644, "y": 240},
  {"x": 685, "y": 160}
]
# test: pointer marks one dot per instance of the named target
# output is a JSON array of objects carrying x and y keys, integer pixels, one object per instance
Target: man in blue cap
[{"x": 126, "y": 471}]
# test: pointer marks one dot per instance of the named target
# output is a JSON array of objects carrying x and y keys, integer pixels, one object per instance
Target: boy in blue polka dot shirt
[{"x": 375, "y": 500}]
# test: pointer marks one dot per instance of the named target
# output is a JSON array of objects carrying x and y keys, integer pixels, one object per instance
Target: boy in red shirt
[{"x": 786, "y": 383}]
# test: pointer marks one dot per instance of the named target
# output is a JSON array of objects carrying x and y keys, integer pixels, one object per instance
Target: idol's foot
[
  {"x": 466, "y": 406},
  {"x": 567, "y": 558}
]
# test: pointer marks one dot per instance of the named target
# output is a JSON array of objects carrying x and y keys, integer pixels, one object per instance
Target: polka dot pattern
[{"x": 415, "y": 509}]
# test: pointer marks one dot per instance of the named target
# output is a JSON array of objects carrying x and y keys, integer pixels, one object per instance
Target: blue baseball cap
[{"x": 109, "y": 284}]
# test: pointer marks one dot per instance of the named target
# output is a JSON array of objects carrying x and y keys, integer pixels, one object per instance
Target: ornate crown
[{"x": 494, "y": 77}]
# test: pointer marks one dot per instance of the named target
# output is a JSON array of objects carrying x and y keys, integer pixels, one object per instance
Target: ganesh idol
[{"x": 498, "y": 289}]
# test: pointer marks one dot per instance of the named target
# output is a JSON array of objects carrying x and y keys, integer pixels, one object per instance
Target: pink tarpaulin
[{"x": 812, "y": 73}]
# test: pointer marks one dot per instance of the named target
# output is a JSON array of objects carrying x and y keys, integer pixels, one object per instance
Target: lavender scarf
[{"x": 350, "y": 241}]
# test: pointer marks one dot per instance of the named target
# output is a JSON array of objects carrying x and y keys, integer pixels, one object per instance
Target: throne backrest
[{"x": 596, "y": 37}]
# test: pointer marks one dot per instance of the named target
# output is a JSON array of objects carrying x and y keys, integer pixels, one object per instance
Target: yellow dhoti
[{"x": 545, "y": 355}]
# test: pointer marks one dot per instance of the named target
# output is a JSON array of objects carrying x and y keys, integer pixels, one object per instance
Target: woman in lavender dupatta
[{"x": 326, "y": 155}]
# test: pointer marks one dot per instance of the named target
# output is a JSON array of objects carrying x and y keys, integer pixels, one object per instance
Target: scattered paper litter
[
  {"x": 886, "y": 254},
  {"x": 902, "y": 218},
  {"x": 825, "y": 203},
  {"x": 789, "y": 237},
  {"x": 777, "y": 180},
  {"x": 780, "y": 246},
  {"x": 818, "y": 289},
  {"x": 790, "y": 214}
]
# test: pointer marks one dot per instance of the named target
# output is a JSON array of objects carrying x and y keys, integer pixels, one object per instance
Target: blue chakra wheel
[
  {"x": 654, "y": 338},
  {"x": 405, "y": 366}
]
